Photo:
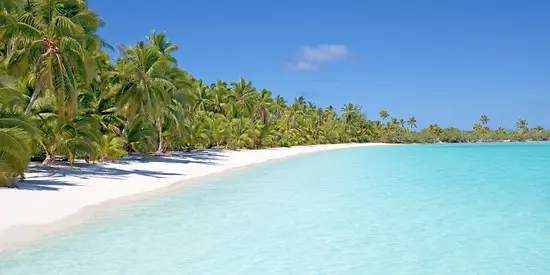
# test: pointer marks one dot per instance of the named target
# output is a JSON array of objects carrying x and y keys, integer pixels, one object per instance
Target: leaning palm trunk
[
  {"x": 48, "y": 160},
  {"x": 34, "y": 96},
  {"x": 126, "y": 125},
  {"x": 37, "y": 88}
]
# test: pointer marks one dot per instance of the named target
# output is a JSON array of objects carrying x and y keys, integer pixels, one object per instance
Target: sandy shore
[{"x": 50, "y": 195}]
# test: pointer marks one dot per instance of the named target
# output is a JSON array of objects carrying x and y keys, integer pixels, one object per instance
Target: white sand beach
[{"x": 51, "y": 194}]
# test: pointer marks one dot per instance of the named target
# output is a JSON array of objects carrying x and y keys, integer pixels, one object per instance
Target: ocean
[{"x": 410, "y": 209}]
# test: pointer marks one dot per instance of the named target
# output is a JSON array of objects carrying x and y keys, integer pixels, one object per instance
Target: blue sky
[{"x": 444, "y": 62}]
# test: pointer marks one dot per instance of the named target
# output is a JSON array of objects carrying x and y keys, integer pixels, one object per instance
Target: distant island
[{"x": 62, "y": 95}]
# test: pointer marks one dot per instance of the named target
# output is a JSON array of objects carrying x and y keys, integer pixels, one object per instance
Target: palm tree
[
  {"x": 110, "y": 146},
  {"x": 477, "y": 127},
  {"x": 200, "y": 96},
  {"x": 162, "y": 44},
  {"x": 330, "y": 114},
  {"x": 51, "y": 41},
  {"x": 394, "y": 121},
  {"x": 484, "y": 119},
  {"x": 99, "y": 101},
  {"x": 263, "y": 106},
  {"x": 243, "y": 132},
  {"x": 218, "y": 93},
  {"x": 15, "y": 147},
  {"x": 279, "y": 106},
  {"x": 301, "y": 102},
  {"x": 384, "y": 115},
  {"x": 294, "y": 112},
  {"x": 348, "y": 112},
  {"x": 143, "y": 87},
  {"x": 139, "y": 136},
  {"x": 411, "y": 122},
  {"x": 219, "y": 129},
  {"x": 522, "y": 125},
  {"x": 402, "y": 123},
  {"x": 318, "y": 121},
  {"x": 71, "y": 138},
  {"x": 16, "y": 134},
  {"x": 244, "y": 96},
  {"x": 434, "y": 129}
]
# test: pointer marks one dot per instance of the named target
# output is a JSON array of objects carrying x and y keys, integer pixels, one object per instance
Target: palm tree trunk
[
  {"x": 126, "y": 125},
  {"x": 48, "y": 160},
  {"x": 318, "y": 126},
  {"x": 11, "y": 46},
  {"x": 34, "y": 96},
  {"x": 37, "y": 88},
  {"x": 159, "y": 127}
]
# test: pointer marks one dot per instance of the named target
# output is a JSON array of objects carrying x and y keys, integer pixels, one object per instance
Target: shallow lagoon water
[{"x": 411, "y": 209}]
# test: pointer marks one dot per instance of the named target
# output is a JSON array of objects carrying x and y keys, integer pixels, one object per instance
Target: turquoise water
[{"x": 414, "y": 209}]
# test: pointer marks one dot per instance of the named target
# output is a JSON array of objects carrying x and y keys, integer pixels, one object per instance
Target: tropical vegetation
[{"x": 63, "y": 96}]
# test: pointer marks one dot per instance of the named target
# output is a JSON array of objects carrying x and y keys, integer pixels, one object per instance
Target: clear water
[{"x": 418, "y": 209}]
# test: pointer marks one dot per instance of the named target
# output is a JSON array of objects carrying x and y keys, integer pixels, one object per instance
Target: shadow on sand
[
  {"x": 56, "y": 175},
  {"x": 198, "y": 156}
]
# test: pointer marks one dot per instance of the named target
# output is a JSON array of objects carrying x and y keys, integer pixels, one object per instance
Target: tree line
[{"x": 62, "y": 95}]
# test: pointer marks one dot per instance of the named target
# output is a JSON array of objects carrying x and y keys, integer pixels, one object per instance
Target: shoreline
[{"x": 63, "y": 197}]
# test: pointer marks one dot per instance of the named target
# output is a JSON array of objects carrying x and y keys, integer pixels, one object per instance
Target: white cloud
[
  {"x": 310, "y": 57},
  {"x": 303, "y": 66},
  {"x": 324, "y": 53}
]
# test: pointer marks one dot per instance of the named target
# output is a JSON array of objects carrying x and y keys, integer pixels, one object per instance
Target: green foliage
[
  {"x": 454, "y": 135},
  {"x": 110, "y": 146},
  {"x": 72, "y": 139},
  {"x": 15, "y": 146},
  {"x": 16, "y": 133},
  {"x": 140, "y": 136},
  {"x": 243, "y": 133}
]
